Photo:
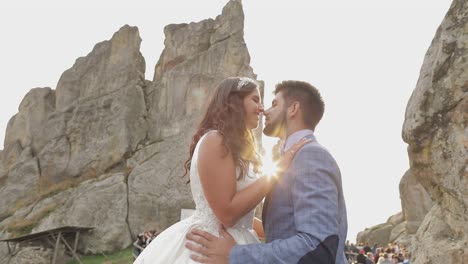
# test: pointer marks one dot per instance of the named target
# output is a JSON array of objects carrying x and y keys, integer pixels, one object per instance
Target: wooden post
[
  {"x": 77, "y": 235},
  {"x": 72, "y": 251},
  {"x": 49, "y": 242},
  {"x": 57, "y": 242}
]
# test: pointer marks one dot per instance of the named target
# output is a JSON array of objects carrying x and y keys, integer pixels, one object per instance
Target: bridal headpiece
[{"x": 244, "y": 81}]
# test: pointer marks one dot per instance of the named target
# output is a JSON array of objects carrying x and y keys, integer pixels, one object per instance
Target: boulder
[
  {"x": 27, "y": 125},
  {"x": 379, "y": 234},
  {"x": 435, "y": 130},
  {"x": 415, "y": 202}
]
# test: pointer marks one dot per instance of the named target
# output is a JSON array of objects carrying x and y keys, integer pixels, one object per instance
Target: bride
[{"x": 224, "y": 167}]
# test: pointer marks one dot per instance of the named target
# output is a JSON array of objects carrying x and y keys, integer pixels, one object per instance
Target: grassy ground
[{"x": 119, "y": 257}]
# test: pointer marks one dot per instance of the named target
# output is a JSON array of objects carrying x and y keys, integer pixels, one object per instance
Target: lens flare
[{"x": 269, "y": 168}]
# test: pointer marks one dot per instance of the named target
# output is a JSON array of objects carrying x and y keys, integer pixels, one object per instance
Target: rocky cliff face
[
  {"x": 106, "y": 148},
  {"x": 435, "y": 128}
]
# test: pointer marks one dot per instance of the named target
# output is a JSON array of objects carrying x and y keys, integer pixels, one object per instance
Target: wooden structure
[
  {"x": 53, "y": 238},
  {"x": 135, "y": 248}
]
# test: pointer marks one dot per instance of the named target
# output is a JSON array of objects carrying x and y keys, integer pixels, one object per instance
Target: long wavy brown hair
[{"x": 226, "y": 114}]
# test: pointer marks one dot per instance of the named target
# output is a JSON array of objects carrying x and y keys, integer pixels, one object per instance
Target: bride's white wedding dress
[{"x": 169, "y": 246}]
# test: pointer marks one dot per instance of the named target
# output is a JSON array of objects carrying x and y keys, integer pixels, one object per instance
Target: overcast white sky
[{"x": 364, "y": 56}]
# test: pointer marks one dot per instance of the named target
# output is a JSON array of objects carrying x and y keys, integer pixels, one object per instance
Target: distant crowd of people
[
  {"x": 364, "y": 254},
  {"x": 143, "y": 239}
]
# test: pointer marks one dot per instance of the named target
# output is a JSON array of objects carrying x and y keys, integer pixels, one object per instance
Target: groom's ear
[{"x": 294, "y": 109}]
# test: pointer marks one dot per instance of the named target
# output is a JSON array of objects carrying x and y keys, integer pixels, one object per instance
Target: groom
[{"x": 304, "y": 216}]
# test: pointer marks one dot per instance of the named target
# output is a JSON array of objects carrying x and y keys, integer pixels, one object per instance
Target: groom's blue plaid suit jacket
[{"x": 304, "y": 215}]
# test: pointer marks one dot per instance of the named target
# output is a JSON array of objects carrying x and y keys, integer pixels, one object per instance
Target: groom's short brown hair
[{"x": 312, "y": 105}]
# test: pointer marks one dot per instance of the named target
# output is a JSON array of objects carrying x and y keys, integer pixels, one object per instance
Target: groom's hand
[{"x": 214, "y": 249}]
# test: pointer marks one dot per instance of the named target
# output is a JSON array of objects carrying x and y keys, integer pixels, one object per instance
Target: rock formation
[
  {"x": 380, "y": 234},
  {"x": 415, "y": 202},
  {"x": 435, "y": 189},
  {"x": 106, "y": 148},
  {"x": 435, "y": 129}
]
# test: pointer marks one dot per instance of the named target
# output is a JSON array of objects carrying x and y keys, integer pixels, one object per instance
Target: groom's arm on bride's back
[{"x": 314, "y": 189}]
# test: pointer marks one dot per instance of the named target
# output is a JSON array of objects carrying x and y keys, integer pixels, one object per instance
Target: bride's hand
[{"x": 285, "y": 159}]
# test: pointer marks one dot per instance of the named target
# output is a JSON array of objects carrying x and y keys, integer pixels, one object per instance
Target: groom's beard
[{"x": 277, "y": 127}]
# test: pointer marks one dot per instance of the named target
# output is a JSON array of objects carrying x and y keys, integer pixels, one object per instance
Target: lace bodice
[{"x": 203, "y": 210}]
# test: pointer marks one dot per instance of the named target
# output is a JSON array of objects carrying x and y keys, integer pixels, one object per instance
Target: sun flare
[{"x": 269, "y": 167}]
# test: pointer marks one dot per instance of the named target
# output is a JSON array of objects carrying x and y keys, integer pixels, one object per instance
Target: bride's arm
[{"x": 218, "y": 179}]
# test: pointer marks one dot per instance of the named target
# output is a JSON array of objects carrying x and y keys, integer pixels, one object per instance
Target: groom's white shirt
[{"x": 295, "y": 137}]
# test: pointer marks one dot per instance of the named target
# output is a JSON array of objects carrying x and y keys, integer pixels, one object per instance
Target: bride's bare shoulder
[
  {"x": 212, "y": 144},
  {"x": 212, "y": 138}
]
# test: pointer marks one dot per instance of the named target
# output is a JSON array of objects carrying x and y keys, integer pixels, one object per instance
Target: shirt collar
[{"x": 295, "y": 137}]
